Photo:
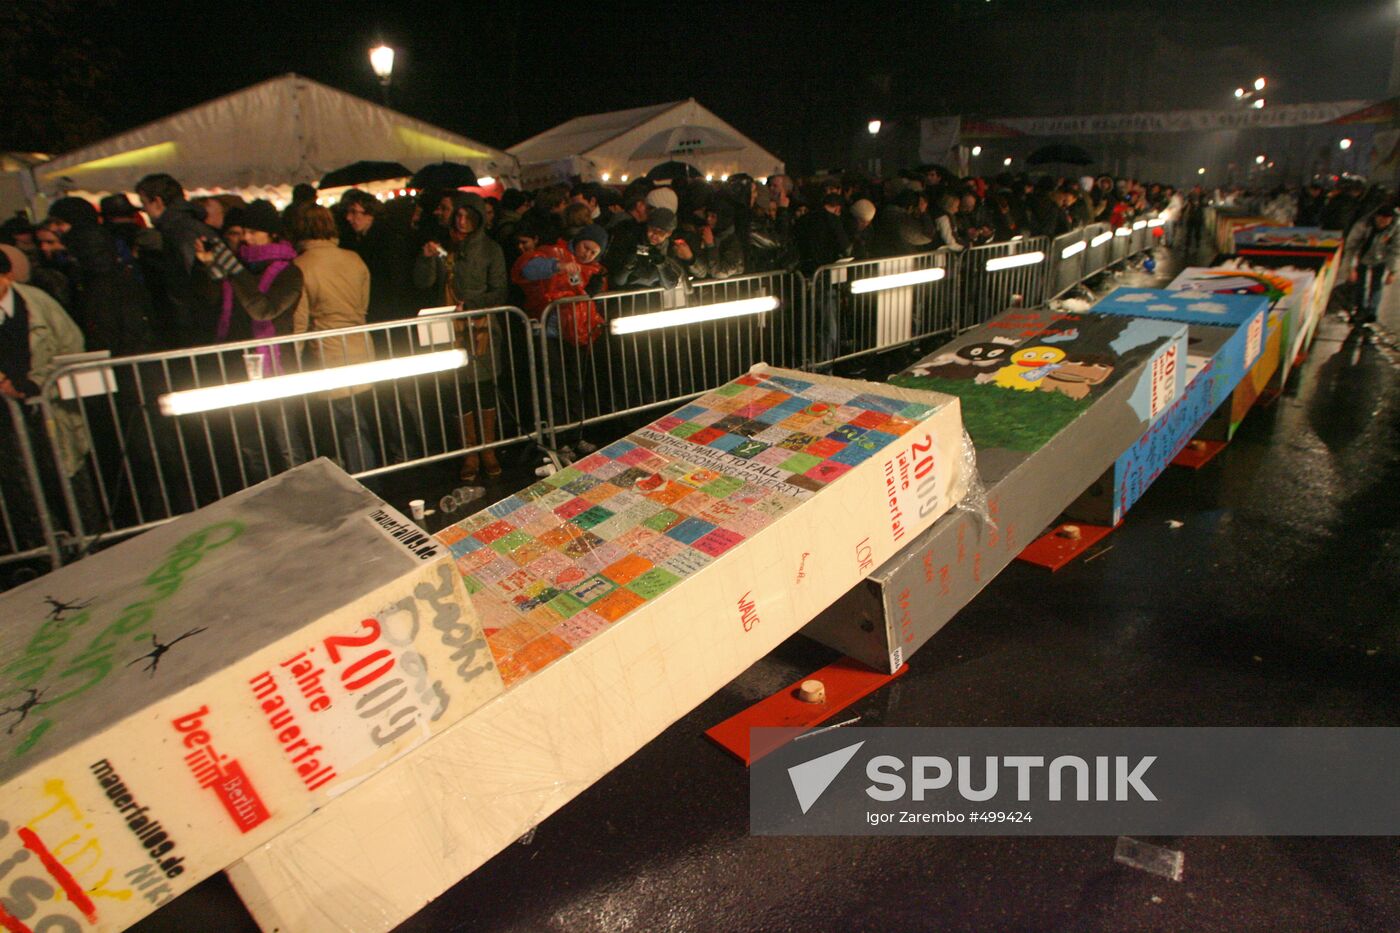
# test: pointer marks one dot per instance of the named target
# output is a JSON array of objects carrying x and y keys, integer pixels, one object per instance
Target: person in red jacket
[{"x": 548, "y": 272}]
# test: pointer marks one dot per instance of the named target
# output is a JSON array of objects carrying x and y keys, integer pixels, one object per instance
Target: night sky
[{"x": 800, "y": 78}]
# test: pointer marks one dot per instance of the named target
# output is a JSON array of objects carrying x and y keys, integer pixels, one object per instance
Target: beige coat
[
  {"x": 52, "y": 333},
  {"x": 335, "y": 293}
]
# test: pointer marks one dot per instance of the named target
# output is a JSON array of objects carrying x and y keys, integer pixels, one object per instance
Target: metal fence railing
[
  {"x": 660, "y": 346},
  {"x": 860, "y": 308},
  {"x": 1098, "y": 250},
  {"x": 1067, "y": 257},
  {"x": 124, "y": 466},
  {"x": 95, "y": 456},
  {"x": 26, "y": 526},
  {"x": 1000, "y": 275}
]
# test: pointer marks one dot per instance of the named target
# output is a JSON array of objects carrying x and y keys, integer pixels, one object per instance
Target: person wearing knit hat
[
  {"x": 662, "y": 218},
  {"x": 657, "y": 261},
  {"x": 246, "y": 222},
  {"x": 590, "y": 243},
  {"x": 261, "y": 215},
  {"x": 858, "y": 227},
  {"x": 233, "y": 228},
  {"x": 663, "y": 198}
]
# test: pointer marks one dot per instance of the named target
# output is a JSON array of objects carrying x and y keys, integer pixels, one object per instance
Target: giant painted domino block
[
  {"x": 618, "y": 595},
  {"x": 1323, "y": 259},
  {"x": 1226, "y": 421},
  {"x": 1272, "y": 237},
  {"x": 179, "y": 699},
  {"x": 1218, "y": 355},
  {"x": 1291, "y": 293},
  {"x": 1050, "y": 400}
]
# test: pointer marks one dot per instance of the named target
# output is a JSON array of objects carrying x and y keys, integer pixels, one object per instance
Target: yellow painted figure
[{"x": 1027, "y": 368}]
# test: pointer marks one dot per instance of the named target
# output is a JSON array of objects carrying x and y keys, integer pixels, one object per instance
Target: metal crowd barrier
[
  {"x": 142, "y": 467},
  {"x": 999, "y": 275},
  {"x": 617, "y": 374},
  {"x": 128, "y": 467},
  {"x": 26, "y": 524},
  {"x": 860, "y": 308},
  {"x": 1098, "y": 252},
  {"x": 1067, "y": 256},
  {"x": 1119, "y": 245}
]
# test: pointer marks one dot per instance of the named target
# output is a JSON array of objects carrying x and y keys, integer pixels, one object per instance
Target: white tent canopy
[
  {"x": 286, "y": 130},
  {"x": 618, "y": 146}
]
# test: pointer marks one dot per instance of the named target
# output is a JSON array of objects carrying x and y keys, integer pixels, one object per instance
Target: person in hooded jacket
[
  {"x": 258, "y": 289},
  {"x": 109, "y": 302},
  {"x": 549, "y": 272},
  {"x": 555, "y": 272},
  {"x": 1102, "y": 198},
  {"x": 469, "y": 271}
]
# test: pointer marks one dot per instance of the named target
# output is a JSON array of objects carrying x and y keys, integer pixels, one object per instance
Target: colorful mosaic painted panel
[{"x": 564, "y": 558}]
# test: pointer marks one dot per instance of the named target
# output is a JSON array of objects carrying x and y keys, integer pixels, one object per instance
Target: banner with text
[{"x": 1175, "y": 121}]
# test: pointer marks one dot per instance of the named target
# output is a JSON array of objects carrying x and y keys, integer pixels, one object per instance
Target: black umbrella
[
  {"x": 359, "y": 173},
  {"x": 674, "y": 172},
  {"x": 444, "y": 175},
  {"x": 1070, "y": 155}
]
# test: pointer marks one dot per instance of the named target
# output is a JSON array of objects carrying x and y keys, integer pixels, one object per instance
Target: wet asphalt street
[{"x": 1272, "y": 604}]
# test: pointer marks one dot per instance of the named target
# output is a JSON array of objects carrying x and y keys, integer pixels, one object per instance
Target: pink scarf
[{"x": 277, "y": 257}]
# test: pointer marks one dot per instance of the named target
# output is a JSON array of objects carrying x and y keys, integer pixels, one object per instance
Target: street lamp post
[{"x": 381, "y": 59}]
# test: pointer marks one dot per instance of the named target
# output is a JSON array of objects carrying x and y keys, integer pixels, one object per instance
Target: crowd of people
[
  {"x": 176, "y": 273},
  {"x": 135, "y": 285}
]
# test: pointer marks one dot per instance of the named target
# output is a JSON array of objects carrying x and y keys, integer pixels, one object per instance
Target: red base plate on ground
[
  {"x": 1198, "y": 453},
  {"x": 1055, "y": 549},
  {"x": 846, "y": 681}
]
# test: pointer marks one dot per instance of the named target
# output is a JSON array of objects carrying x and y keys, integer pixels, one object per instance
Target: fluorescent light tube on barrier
[
  {"x": 878, "y": 283},
  {"x": 1074, "y": 249},
  {"x": 210, "y": 398},
  {"x": 1101, "y": 239},
  {"x": 1156, "y": 222},
  {"x": 1122, "y": 231},
  {"x": 1139, "y": 224},
  {"x": 658, "y": 319},
  {"x": 1011, "y": 262}
]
